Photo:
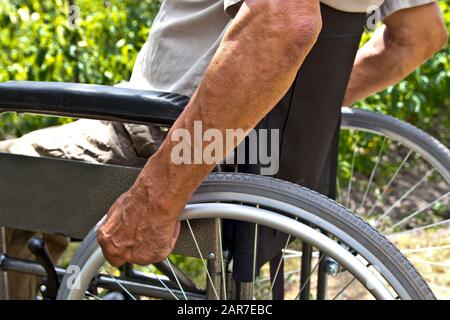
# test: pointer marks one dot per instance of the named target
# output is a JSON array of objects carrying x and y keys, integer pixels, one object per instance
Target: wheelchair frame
[
  {"x": 94, "y": 186},
  {"x": 78, "y": 194}
]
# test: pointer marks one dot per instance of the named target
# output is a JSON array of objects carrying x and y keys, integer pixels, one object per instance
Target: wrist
[
  {"x": 349, "y": 99},
  {"x": 158, "y": 185}
]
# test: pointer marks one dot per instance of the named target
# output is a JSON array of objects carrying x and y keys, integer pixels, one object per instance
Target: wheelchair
[{"x": 330, "y": 250}]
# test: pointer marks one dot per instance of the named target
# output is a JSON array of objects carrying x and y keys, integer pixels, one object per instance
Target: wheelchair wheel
[
  {"x": 369, "y": 265},
  {"x": 397, "y": 178}
]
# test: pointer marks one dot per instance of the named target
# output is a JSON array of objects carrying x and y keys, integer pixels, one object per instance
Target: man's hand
[
  {"x": 244, "y": 81},
  {"x": 138, "y": 228}
]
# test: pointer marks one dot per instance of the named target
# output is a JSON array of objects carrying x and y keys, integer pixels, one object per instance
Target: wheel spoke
[
  {"x": 255, "y": 249},
  {"x": 431, "y": 225},
  {"x": 222, "y": 262},
  {"x": 349, "y": 189},
  {"x": 165, "y": 286},
  {"x": 176, "y": 278},
  {"x": 372, "y": 174},
  {"x": 203, "y": 260},
  {"x": 309, "y": 277},
  {"x": 406, "y": 194},
  {"x": 388, "y": 185},
  {"x": 343, "y": 288},
  {"x": 118, "y": 283},
  {"x": 412, "y": 215},
  {"x": 93, "y": 295},
  {"x": 431, "y": 263},
  {"x": 418, "y": 250},
  {"x": 348, "y": 284},
  {"x": 278, "y": 268},
  {"x": 279, "y": 264}
]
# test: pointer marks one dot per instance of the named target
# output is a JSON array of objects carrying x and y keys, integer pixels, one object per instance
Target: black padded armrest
[{"x": 91, "y": 101}]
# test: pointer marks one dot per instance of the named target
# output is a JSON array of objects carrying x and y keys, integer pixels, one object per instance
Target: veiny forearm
[
  {"x": 378, "y": 65},
  {"x": 253, "y": 68},
  {"x": 251, "y": 71},
  {"x": 407, "y": 39}
]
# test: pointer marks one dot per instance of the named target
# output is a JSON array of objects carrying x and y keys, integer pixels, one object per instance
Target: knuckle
[
  {"x": 141, "y": 258},
  {"x": 159, "y": 257},
  {"x": 142, "y": 261},
  {"x": 100, "y": 236},
  {"x": 116, "y": 262}
]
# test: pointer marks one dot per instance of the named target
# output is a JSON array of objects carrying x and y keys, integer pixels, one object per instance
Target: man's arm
[
  {"x": 253, "y": 68},
  {"x": 407, "y": 39}
]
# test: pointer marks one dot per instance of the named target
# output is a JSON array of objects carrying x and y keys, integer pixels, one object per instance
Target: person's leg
[
  {"x": 24, "y": 286},
  {"x": 84, "y": 140},
  {"x": 308, "y": 119},
  {"x": 312, "y": 115}
]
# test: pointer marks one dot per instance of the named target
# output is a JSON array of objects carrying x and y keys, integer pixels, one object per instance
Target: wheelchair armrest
[{"x": 91, "y": 102}]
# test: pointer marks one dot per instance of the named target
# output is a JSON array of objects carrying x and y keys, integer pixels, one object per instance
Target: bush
[
  {"x": 38, "y": 43},
  {"x": 423, "y": 98}
]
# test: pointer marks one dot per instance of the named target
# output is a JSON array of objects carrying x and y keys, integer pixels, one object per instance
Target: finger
[
  {"x": 176, "y": 230},
  {"x": 115, "y": 261},
  {"x": 110, "y": 255},
  {"x": 176, "y": 233}
]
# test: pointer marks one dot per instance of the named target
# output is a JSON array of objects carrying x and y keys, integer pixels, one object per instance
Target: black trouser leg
[{"x": 308, "y": 120}]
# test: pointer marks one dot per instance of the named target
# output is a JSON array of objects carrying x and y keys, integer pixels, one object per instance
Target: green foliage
[
  {"x": 423, "y": 98},
  {"x": 39, "y": 43}
]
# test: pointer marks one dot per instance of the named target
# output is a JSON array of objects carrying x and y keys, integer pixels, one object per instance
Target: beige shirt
[{"x": 186, "y": 34}]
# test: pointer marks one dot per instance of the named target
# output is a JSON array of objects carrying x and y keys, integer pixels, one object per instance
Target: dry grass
[
  {"x": 437, "y": 275},
  {"x": 433, "y": 264}
]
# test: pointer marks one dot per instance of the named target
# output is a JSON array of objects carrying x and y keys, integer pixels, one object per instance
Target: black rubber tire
[
  {"x": 437, "y": 154},
  {"x": 320, "y": 207}
]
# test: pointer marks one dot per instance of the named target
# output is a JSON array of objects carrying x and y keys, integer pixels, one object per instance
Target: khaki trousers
[{"x": 84, "y": 140}]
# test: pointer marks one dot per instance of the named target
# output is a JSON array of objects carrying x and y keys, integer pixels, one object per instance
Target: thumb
[{"x": 176, "y": 233}]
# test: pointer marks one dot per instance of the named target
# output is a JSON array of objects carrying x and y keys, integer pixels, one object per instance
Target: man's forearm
[
  {"x": 395, "y": 50},
  {"x": 251, "y": 71},
  {"x": 378, "y": 65}
]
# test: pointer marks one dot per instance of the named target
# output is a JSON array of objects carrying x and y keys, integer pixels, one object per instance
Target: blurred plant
[
  {"x": 40, "y": 43},
  {"x": 422, "y": 99}
]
